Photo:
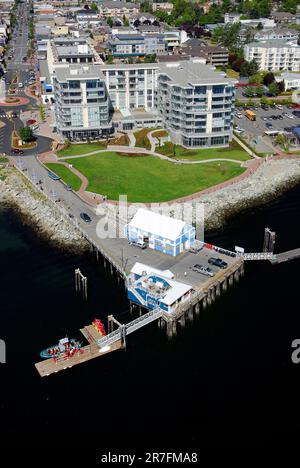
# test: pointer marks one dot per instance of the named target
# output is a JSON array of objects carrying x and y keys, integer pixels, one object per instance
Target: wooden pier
[
  {"x": 88, "y": 352},
  {"x": 286, "y": 256}
]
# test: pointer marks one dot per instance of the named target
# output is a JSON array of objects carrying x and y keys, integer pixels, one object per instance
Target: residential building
[
  {"x": 195, "y": 103},
  {"x": 81, "y": 102},
  {"x": 167, "y": 7},
  {"x": 87, "y": 17},
  {"x": 274, "y": 55},
  {"x": 190, "y": 99},
  {"x": 283, "y": 17},
  {"x": 131, "y": 86},
  {"x": 135, "y": 45},
  {"x": 291, "y": 80},
  {"x": 277, "y": 34},
  {"x": 70, "y": 50},
  {"x": 232, "y": 18},
  {"x": 213, "y": 55},
  {"x": 143, "y": 18},
  {"x": 116, "y": 8}
]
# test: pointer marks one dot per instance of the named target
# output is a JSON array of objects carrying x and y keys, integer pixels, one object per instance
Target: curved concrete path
[{"x": 126, "y": 149}]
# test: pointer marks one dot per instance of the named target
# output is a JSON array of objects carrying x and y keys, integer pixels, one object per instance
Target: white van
[{"x": 20, "y": 85}]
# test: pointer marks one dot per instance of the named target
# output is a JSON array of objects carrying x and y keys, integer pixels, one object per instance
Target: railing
[
  {"x": 130, "y": 327},
  {"x": 257, "y": 256}
]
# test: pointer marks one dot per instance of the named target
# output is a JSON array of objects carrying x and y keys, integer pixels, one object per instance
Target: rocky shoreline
[
  {"x": 270, "y": 180},
  {"x": 36, "y": 211}
]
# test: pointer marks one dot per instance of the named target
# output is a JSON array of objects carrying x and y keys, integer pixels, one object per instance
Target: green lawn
[
  {"x": 81, "y": 148},
  {"x": 3, "y": 159},
  {"x": 234, "y": 151},
  {"x": 147, "y": 178},
  {"x": 66, "y": 175}
]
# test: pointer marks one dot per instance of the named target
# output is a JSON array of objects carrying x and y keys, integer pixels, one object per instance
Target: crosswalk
[{"x": 5, "y": 116}]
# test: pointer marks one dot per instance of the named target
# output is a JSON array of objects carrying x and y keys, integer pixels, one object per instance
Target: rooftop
[
  {"x": 71, "y": 72},
  {"x": 192, "y": 73},
  {"x": 274, "y": 43},
  {"x": 155, "y": 223}
]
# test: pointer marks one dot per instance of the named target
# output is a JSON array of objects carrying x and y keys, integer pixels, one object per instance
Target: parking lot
[{"x": 265, "y": 122}]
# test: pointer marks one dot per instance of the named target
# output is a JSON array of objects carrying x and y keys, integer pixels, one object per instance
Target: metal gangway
[
  {"x": 257, "y": 256},
  {"x": 130, "y": 327}
]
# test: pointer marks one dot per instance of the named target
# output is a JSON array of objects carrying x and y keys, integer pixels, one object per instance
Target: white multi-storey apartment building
[
  {"x": 191, "y": 100},
  {"x": 82, "y": 108},
  {"x": 195, "y": 104},
  {"x": 274, "y": 55}
]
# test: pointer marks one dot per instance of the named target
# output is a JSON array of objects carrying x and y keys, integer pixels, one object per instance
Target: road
[
  {"x": 20, "y": 39},
  {"x": 16, "y": 66}
]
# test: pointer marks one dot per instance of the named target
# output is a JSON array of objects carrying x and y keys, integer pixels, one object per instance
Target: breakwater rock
[
  {"x": 38, "y": 212},
  {"x": 269, "y": 181}
]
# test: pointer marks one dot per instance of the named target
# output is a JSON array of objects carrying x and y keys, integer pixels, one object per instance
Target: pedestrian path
[
  {"x": 132, "y": 139},
  {"x": 138, "y": 150}
]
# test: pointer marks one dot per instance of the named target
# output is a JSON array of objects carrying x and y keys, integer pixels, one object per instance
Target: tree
[
  {"x": 264, "y": 100},
  {"x": 109, "y": 21},
  {"x": 255, "y": 78},
  {"x": 283, "y": 141},
  {"x": 26, "y": 134},
  {"x": 94, "y": 7},
  {"x": 125, "y": 21},
  {"x": 228, "y": 36},
  {"x": 273, "y": 88},
  {"x": 268, "y": 78},
  {"x": 281, "y": 86},
  {"x": 260, "y": 91},
  {"x": 110, "y": 60},
  {"x": 251, "y": 91},
  {"x": 260, "y": 26}
]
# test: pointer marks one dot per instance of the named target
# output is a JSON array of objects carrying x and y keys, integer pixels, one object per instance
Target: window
[
  {"x": 218, "y": 89},
  {"x": 217, "y": 140},
  {"x": 200, "y": 89},
  {"x": 74, "y": 84}
]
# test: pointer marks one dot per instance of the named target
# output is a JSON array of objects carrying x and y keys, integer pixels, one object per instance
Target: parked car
[
  {"x": 140, "y": 244},
  {"x": 202, "y": 269},
  {"x": 17, "y": 151},
  {"x": 85, "y": 217},
  {"x": 217, "y": 262},
  {"x": 269, "y": 125}
]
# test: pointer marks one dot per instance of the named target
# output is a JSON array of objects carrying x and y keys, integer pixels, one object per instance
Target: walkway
[
  {"x": 136, "y": 150},
  {"x": 89, "y": 198},
  {"x": 132, "y": 139}
]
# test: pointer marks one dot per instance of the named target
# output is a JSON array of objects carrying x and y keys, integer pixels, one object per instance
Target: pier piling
[{"x": 81, "y": 284}]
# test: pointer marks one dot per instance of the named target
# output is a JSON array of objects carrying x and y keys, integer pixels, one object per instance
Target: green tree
[
  {"x": 228, "y": 36},
  {"x": 283, "y": 141},
  {"x": 110, "y": 60},
  {"x": 274, "y": 89},
  {"x": 125, "y": 21},
  {"x": 26, "y": 134},
  {"x": 94, "y": 7},
  {"x": 260, "y": 91},
  {"x": 109, "y": 21}
]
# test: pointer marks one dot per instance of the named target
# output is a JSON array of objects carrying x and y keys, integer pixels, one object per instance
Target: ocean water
[{"x": 226, "y": 380}]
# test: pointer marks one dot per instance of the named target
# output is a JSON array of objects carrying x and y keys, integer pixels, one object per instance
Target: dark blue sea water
[{"x": 227, "y": 380}]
